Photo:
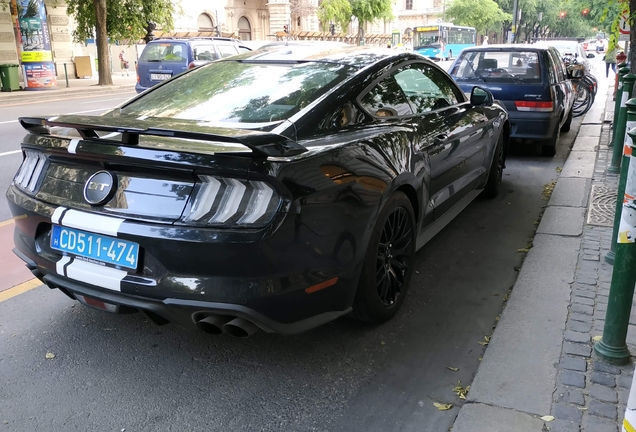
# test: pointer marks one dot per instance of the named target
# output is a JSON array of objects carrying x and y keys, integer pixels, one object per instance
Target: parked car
[
  {"x": 274, "y": 190},
  {"x": 589, "y": 45},
  {"x": 532, "y": 83},
  {"x": 571, "y": 48},
  {"x": 162, "y": 59}
]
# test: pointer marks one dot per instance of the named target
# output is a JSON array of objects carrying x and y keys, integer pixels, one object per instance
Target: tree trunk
[{"x": 101, "y": 39}]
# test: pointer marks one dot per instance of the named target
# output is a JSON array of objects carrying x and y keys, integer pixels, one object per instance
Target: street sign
[{"x": 623, "y": 25}]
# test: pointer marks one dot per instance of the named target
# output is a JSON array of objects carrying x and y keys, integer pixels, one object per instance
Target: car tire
[
  {"x": 388, "y": 263},
  {"x": 568, "y": 122},
  {"x": 549, "y": 148},
  {"x": 495, "y": 174}
]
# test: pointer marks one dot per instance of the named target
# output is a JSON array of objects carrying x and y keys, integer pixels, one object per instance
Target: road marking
[
  {"x": 66, "y": 99},
  {"x": 19, "y": 289},
  {"x": 87, "y": 111},
  {"x": 103, "y": 100},
  {"x": 7, "y": 222},
  {"x": 10, "y": 152},
  {"x": 10, "y": 121}
]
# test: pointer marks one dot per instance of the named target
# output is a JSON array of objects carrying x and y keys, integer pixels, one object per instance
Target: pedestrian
[
  {"x": 123, "y": 62},
  {"x": 610, "y": 60},
  {"x": 485, "y": 42},
  {"x": 600, "y": 46}
]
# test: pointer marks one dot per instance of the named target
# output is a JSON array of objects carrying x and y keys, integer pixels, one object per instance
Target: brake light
[
  {"x": 138, "y": 79},
  {"x": 191, "y": 65},
  {"x": 540, "y": 106}
]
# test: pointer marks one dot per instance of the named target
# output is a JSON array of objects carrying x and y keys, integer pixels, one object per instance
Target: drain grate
[{"x": 602, "y": 206}]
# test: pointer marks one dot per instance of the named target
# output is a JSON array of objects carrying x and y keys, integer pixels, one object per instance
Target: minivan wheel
[
  {"x": 568, "y": 122},
  {"x": 549, "y": 148},
  {"x": 387, "y": 267}
]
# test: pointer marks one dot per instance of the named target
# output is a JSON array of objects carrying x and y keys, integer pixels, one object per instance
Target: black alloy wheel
[
  {"x": 394, "y": 255},
  {"x": 388, "y": 264}
]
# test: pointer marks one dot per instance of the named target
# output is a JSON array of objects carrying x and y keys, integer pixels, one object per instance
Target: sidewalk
[
  {"x": 540, "y": 360},
  {"x": 87, "y": 86}
]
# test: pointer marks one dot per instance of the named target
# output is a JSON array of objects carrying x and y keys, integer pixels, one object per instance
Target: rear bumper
[
  {"x": 188, "y": 273},
  {"x": 140, "y": 89},
  {"x": 533, "y": 125}
]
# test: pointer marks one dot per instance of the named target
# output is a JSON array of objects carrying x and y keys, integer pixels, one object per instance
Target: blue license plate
[{"x": 103, "y": 249}]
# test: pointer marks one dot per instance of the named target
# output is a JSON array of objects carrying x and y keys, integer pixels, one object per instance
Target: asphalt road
[{"x": 121, "y": 372}]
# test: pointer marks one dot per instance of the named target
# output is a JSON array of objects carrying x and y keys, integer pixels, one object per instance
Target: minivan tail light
[
  {"x": 539, "y": 106},
  {"x": 191, "y": 65}
]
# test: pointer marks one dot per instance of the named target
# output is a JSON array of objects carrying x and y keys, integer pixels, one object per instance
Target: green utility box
[{"x": 9, "y": 77}]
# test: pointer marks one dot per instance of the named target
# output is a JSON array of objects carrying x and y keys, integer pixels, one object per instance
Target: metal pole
[
  {"x": 613, "y": 345},
  {"x": 515, "y": 15},
  {"x": 619, "y": 128},
  {"x": 624, "y": 168},
  {"x": 66, "y": 74}
]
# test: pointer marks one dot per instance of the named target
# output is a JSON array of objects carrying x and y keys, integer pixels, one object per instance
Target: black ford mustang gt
[{"x": 274, "y": 190}]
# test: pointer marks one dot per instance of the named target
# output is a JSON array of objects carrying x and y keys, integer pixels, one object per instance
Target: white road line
[
  {"x": 82, "y": 112},
  {"x": 104, "y": 100},
  {"x": 10, "y": 153},
  {"x": 10, "y": 121}
]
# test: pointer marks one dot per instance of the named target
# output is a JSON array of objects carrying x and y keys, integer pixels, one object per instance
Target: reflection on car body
[{"x": 274, "y": 190}]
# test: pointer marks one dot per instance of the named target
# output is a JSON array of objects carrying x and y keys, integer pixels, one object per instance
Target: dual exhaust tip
[{"x": 217, "y": 324}]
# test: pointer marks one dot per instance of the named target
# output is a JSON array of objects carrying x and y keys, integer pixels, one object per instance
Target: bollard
[
  {"x": 624, "y": 167},
  {"x": 617, "y": 101},
  {"x": 66, "y": 75},
  {"x": 629, "y": 422},
  {"x": 613, "y": 347},
  {"x": 620, "y": 63},
  {"x": 619, "y": 128}
]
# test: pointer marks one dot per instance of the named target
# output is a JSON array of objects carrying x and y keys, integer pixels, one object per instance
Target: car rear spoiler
[{"x": 262, "y": 143}]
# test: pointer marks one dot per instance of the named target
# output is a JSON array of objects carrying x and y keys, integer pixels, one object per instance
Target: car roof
[
  {"x": 197, "y": 39},
  {"x": 507, "y": 47},
  {"x": 355, "y": 56}
]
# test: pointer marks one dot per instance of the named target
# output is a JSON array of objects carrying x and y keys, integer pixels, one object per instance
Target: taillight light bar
[{"x": 538, "y": 106}]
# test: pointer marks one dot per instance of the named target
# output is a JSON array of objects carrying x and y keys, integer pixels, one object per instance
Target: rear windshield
[
  {"x": 231, "y": 91},
  {"x": 172, "y": 52},
  {"x": 498, "y": 66}
]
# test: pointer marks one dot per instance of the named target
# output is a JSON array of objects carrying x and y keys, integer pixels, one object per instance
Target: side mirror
[
  {"x": 590, "y": 55},
  {"x": 576, "y": 73},
  {"x": 481, "y": 96}
]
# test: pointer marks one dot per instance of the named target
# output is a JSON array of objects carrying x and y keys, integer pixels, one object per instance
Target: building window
[
  {"x": 245, "y": 29},
  {"x": 409, "y": 4},
  {"x": 205, "y": 23}
]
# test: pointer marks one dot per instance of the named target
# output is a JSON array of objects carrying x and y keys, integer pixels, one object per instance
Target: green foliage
[
  {"x": 367, "y": 11},
  {"x": 126, "y": 19},
  {"x": 335, "y": 11},
  {"x": 484, "y": 15}
]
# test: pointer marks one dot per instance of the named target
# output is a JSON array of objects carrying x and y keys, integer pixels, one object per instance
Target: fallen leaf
[
  {"x": 547, "y": 418},
  {"x": 442, "y": 406},
  {"x": 461, "y": 391},
  {"x": 49, "y": 356},
  {"x": 486, "y": 341},
  {"x": 452, "y": 368},
  {"x": 481, "y": 358},
  {"x": 383, "y": 343},
  {"x": 597, "y": 338}
]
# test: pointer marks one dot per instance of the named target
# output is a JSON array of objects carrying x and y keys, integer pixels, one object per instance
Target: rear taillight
[
  {"x": 28, "y": 176},
  {"x": 221, "y": 201},
  {"x": 191, "y": 65},
  {"x": 540, "y": 106},
  {"x": 138, "y": 79}
]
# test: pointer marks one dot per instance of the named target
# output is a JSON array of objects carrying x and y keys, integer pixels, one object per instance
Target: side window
[
  {"x": 386, "y": 99},
  {"x": 427, "y": 88},
  {"x": 227, "y": 50},
  {"x": 563, "y": 72},
  {"x": 552, "y": 75},
  {"x": 205, "y": 52},
  {"x": 346, "y": 115}
]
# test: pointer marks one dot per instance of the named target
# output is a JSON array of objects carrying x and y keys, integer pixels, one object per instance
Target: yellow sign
[
  {"x": 428, "y": 28},
  {"x": 36, "y": 56}
]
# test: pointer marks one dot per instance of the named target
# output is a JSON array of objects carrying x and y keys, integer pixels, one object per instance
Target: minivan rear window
[
  {"x": 172, "y": 52},
  {"x": 498, "y": 66}
]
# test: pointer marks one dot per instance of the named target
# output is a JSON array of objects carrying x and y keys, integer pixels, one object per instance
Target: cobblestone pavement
[{"x": 591, "y": 395}]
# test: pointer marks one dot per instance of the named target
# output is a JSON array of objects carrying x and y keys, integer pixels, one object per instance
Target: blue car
[
  {"x": 162, "y": 59},
  {"x": 530, "y": 80}
]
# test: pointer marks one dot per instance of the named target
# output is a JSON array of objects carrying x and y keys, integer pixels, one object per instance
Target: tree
[
  {"x": 335, "y": 11},
  {"x": 367, "y": 11},
  {"x": 484, "y": 15},
  {"x": 117, "y": 20}
]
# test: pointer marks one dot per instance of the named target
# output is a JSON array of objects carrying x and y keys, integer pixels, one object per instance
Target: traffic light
[
  {"x": 332, "y": 29},
  {"x": 286, "y": 28},
  {"x": 562, "y": 14},
  {"x": 585, "y": 12}
]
